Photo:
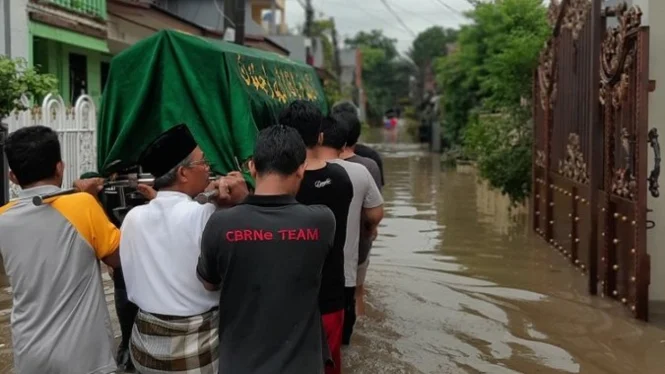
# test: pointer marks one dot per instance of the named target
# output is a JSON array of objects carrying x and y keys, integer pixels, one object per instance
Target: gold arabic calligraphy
[{"x": 282, "y": 85}]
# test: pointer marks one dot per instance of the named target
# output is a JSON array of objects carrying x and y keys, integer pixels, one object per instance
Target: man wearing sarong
[
  {"x": 326, "y": 184},
  {"x": 367, "y": 204},
  {"x": 60, "y": 321},
  {"x": 176, "y": 327},
  {"x": 267, "y": 255},
  {"x": 344, "y": 113}
]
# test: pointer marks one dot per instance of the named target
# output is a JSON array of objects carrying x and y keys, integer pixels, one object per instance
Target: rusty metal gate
[{"x": 590, "y": 149}]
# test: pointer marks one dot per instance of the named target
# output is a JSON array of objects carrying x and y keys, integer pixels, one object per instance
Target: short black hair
[
  {"x": 306, "y": 118},
  {"x": 345, "y": 106},
  {"x": 334, "y": 132},
  {"x": 350, "y": 120},
  {"x": 280, "y": 150},
  {"x": 33, "y": 154}
]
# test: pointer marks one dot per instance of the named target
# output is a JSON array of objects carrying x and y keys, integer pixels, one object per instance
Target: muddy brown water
[{"x": 458, "y": 284}]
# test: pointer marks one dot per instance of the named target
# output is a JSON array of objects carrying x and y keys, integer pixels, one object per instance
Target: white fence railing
[{"x": 76, "y": 127}]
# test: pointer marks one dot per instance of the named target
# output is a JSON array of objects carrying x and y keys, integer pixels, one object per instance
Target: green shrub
[{"x": 501, "y": 145}]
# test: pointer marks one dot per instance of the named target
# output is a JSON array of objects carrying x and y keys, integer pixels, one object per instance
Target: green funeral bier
[{"x": 224, "y": 92}]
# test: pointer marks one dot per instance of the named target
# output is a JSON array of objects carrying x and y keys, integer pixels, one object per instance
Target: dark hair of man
[
  {"x": 306, "y": 118},
  {"x": 351, "y": 121},
  {"x": 33, "y": 154},
  {"x": 279, "y": 150},
  {"x": 345, "y": 106},
  {"x": 334, "y": 132}
]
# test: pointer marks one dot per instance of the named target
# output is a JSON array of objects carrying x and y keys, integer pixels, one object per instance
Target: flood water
[{"x": 458, "y": 284}]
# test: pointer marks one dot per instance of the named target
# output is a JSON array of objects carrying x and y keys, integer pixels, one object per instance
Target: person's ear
[
  {"x": 182, "y": 174},
  {"x": 252, "y": 168},
  {"x": 300, "y": 173},
  {"x": 60, "y": 169},
  {"x": 12, "y": 177}
]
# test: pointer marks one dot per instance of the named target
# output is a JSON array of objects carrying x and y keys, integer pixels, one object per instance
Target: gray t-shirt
[
  {"x": 371, "y": 165},
  {"x": 366, "y": 194},
  {"x": 365, "y": 244},
  {"x": 60, "y": 321}
]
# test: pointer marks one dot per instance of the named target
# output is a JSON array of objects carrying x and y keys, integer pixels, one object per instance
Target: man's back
[
  {"x": 60, "y": 321},
  {"x": 365, "y": 151},
  {"x": 332, "y": 187},
  {"x": 268, "y": 254},
  {"x": 365, "y": 195},
  {"x": 159, "y": 250},
  {"x": 371, "y": 166}
]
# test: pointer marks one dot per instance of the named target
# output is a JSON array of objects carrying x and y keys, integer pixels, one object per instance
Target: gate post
[
  {"x": 4, "y": 169},
  {"x": 595, "y": 139}
]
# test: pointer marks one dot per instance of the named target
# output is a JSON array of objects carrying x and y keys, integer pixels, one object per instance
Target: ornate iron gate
[{"x": 590, "y": 148}]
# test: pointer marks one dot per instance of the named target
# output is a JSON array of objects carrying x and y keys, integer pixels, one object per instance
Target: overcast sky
[{"x": 352, "y": 16}]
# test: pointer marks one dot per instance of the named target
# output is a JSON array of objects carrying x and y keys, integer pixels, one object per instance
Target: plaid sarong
[{"x": 182, "y": 345}]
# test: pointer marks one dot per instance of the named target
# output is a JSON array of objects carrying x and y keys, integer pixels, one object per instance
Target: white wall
[
  {"x": 653, "y": 16},
  {"x": 18, "y": 28}
]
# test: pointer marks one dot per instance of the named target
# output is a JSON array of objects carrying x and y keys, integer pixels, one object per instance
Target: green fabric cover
[{"x": 224, "y": 92}]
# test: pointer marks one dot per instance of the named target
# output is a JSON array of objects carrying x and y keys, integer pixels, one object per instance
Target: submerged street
[{"x": 458, "y": 284}]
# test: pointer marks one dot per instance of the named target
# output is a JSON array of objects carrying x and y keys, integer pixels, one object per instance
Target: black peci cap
[{"x": 167, "y": 151}]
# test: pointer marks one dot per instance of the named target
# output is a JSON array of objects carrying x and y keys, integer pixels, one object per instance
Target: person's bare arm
[
  {"x": 207, "y": 285},
  {"x": 210, "y": 269},
  {"x": 372, "y": 217},
  {"x": 112, "y": 260}
]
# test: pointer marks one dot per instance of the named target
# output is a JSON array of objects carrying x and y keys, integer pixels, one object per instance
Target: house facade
[
  {"x": 76, "y": 39},
  {"x": 62, "y": 37},
  {"x": 210, "y": 15}
]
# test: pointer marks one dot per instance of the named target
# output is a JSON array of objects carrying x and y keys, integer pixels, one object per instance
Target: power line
[
  {"x": 433, "y": 23},
  {"x": 397, "y": 17},
  {"x": 450, "y": 8}
]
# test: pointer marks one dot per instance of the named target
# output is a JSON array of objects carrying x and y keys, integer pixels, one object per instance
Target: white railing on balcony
[
  {"x": 90, "y": 8},
  {"x": 76, "y": 127}
]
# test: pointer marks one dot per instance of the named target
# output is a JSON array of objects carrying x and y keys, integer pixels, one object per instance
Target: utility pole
[
  {"x": 4, "y": 168},
  {"x": 338, "y": 66},
  {"x": 309, "y": 18},
  {"x": 273, "y": 22},
  {"x": 239, "y": 20},
  {"x": 309, "y": 21}
]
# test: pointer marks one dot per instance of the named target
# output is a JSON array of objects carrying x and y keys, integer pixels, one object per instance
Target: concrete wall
[
  {"x": 296, "y": 46},
  {"x": 654, "y": 14},
  {"x": 347, "y": 58},
  {"x": 202, "y": 12},
  {"x": 208, "y": 13},
  {"x": 14, "y": 25}
]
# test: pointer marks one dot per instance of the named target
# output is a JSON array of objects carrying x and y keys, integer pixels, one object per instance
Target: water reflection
[{"x": 457, "y": 284}]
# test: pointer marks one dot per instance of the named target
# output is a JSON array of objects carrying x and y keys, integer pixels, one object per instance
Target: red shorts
[{"x": 333, "y": 324}]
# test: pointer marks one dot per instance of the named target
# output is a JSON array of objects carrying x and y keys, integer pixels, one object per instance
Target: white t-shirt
[
  {"x": 365, "y": 195},
  {"x": 160, "y": 244}
]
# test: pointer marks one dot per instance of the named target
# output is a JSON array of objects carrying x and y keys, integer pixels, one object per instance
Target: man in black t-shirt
[
  {"x": 267, "y": 255},
  {"x": 366, "y": 151},
  {"x": 327, "y": 184}
]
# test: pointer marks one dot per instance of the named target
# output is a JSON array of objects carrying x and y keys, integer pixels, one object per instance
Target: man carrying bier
[{"x": 176, "y": 327}]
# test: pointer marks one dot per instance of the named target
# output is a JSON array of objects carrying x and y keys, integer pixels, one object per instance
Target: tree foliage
[
  {"x": 16, "y": 79},
  {"x": 491, "y": 73},
  {"x": 385, "y": 74},
  {"x": 427, "y": 46}
]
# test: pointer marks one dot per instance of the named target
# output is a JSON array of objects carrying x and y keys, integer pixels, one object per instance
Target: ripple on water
[{"x": 457, "y": 284}]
